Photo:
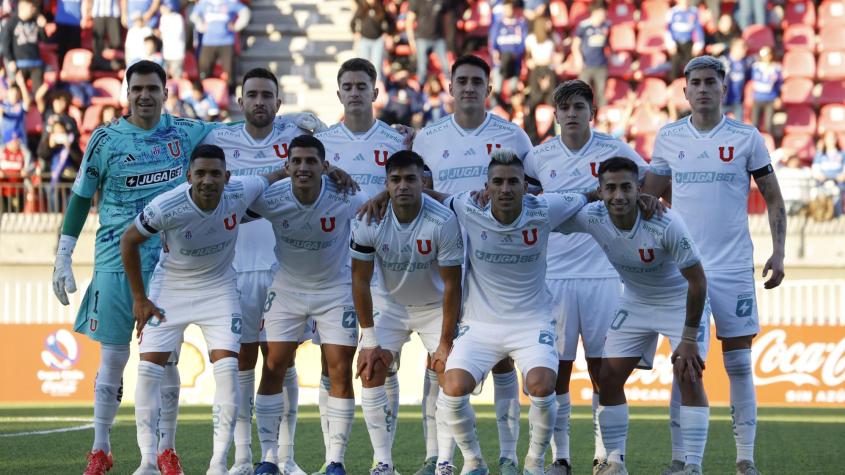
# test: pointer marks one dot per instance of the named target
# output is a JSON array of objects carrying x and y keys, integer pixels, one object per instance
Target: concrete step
[{"x": 282, "y": 48}]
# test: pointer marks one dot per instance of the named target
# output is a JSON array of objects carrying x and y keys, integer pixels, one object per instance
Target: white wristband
[
  {"x": 368, "y": 338},
  {"x": 66, "y": 245},
  {"x": 690, "y": 334}
]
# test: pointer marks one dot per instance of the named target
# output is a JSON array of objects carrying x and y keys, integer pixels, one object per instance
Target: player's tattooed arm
[
  {"x": 451, "y": 276},
  {"x": 768, "y": 185},
  {"x": 688, "y": 363},
  {"x": 142, "y": 308},
  {"x": 372, "y": 359}
]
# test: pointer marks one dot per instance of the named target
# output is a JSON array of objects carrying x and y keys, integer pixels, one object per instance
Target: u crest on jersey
[
  {"x": 594, "y": 169},
  {"x": 424, "y": 242},
  {"x": 327, "y": 224},
  {"x": 533, "y": 236},
  {"x": 230, "y": 225},
  {"x": 490, "y": 147},
  {"x": 175, "y": 149},
  {"x": 730, "y": 155},
  {"x": 380, "y": 157},
  {"x": 646, "y": 255},
  {"x": 281, "y": 150}
]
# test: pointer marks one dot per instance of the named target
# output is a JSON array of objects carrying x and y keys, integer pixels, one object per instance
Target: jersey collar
[
  {"x": 199, "y": 211},
  {"x": 569, "y": 153},
  {"x": 709, "y": 135},
  {"x": 360, "y": 137},
  {"x": 316, "y": 202},
  {"x": 463, "y": 132}
]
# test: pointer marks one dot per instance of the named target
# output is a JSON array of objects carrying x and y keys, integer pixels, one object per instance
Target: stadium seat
[
  {"x": 802, "y": 144},
  {"x": 623, "y": 38},
  {"x": 797, "y": 91},
  {"x": 799, "y": 64},
  {"x": 653, "y": 91},
  {"x": 621, "y": 12},
  {"x": 800, "y": 120},
  {"x": 799, "y": 12},
  {"x": 831, "y": 38},
  {"x": 616, "y": 91},
  {"x": 190, "y": 69},
  {"x": 832, "y": 117},
  {"x": 218, "y": 89},
  {"x": 654, "y": 65},
  {"x": 832, "y": 92},
  {"x": 91, "y": 118},
  {"x": 106, "y": 91},
  {"x": 578, "y": 12},
  {"x": 619, "y": 65},
  {"x": 769, "y": 140},
  {"x": 677, "y": 98},
  {"x": 559, "y": 14},
  {"x": 651, "y": 39},
  {"x": 544, "y": 118},
  {"x": 831, "y": 65},
  {"x": 799, "y": 38},
  {"x": 32, "y": 122},
  {"x": 77, "y": 65},
  {"x": 646, "y": 121},
  {"x": 831, "y": 13},
  {"x": 758, "y": 36},
  {"x": 653, "y": 14},
  {"x": 644, "y": 145}
]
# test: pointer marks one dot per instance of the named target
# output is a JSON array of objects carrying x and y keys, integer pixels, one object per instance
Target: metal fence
[{"x": 34, "y": 196}]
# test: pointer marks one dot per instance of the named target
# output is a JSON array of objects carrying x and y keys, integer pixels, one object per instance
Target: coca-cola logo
[{"x": 777, "y": 361}]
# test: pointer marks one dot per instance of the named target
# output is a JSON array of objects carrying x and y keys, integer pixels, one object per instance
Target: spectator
[
  {"x": 766, "y": 78},
  {"x": 108, "y": 114},
  {"x": 428, "y": 35},
  {"x": 534, "y": 9},
  {"x": 474, "y": 23},
  {"x": 796, "y": 182},
  {"x": 829, "y": 169},
  {"x": 152, "y": 50},
  {"x": 403, "y": 102},
  {"x": 146, "y": 9},
  {"x": 751, "y": 12},
  {"x": 173, "y": 40},
  {"x": 59, "y": 151},
  {"x": 589, "y": 48},
  {"x": 507, "y": 46},
  {"x": 174, "y": 104},
  {"x": 106, "y": 29},
  {"x": 134, "y": 48},
  {"x": 68, "y": 34},
  {"x": 20, "y": 38},
  {"x": 540, "y": 52},
  {"x": 13, "y": 165},
  {"x": 218, "y": 21},
  {"x": 13, "y": 112},
  {"x": 204, "y": 106},
  {"x": 56, "y": 109},
  {"x": 684, "y": 36},
  {"x": 370, "y": 24},
  {"x": 739, "y": 70},
  {"x": 436, "y": 104},
  {"x": 726, "y": 32}
]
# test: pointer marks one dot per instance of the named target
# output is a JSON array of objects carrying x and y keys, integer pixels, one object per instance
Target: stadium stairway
[{"x": 303, "y": 42}]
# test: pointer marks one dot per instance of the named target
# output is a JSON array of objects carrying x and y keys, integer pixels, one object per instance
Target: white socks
[
  {"x": 108, "y": 391},
  {"x": 458, "y": 414},
  {"x": 600, "y": 451},
  {"x": 694, "y": 422},
  {"x": 506, "y": 396},
  {"x": 541, "y": 420},
  {"x": 678, "y": 451},
  {"x": 147, "y": 402},
  {"x": 340, "y": 413},
  {"x": 391, "y": 386},
  {"x": 379, "y": 422},
  {"x": 560, "y": 448},
  {"x": 225, "y": 408},
  {"x": 243, "y": 425},
  {"x": 169, "y": 407},
  {"x": 287, "y": 430},
  {"x": 323, "y": 399},
  {"x": 613, "y": 422},
  {"x": 269, "y": 410},
  {"x": 743, "y": 402},
  {"x": 445, "y": 441},
  {"x": 431, "y": 387}
]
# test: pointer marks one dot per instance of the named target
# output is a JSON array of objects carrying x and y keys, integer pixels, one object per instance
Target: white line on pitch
[{"x": 49, "y": 431}]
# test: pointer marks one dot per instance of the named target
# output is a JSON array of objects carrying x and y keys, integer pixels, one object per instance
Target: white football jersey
[
  {"x": 409, "y": 256},
  {"x": 506, "y": 270},
  {"x": 197, "y": 246},
  {"x": 648, "y": 256},
  {"x": 576, "y": 256},
  {"x": 312, "y": 241},
  {"x": 362, "y": 155},
  {"x": 458, "y": 158},
  {"x": 246, "y": 156},
  {"x": 710, "y": 181}
]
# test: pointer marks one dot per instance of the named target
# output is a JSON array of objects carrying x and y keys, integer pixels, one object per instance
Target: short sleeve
[
  {"x": 659, "y": 164},
  {"x": 260, "y": 207},
  {"x": 677, "y": 240},
  {"x": 93, "y": 170},
  {"x": 254, "y": 188},
  {"x": 450, "y": 251},
  {"x": 197, "y": 130},
  {"x": 759, "y": 153},
  {"x": 523, "y": 145},
  {"x": 458, "y": 203},
  {"x": 562, "y": 206},
  {"x": 530, "y": 164},
  {"x": 151, "y": 220},
  {"x": 363, "y": 243},
  {"x": 577, "y": 223}
]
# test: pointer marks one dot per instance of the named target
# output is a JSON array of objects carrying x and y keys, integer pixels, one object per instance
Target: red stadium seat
[
  {"x": 653, "y": 91},
  {"x": 77, "y": 65},
  {"x": 91, "y": 118},
  {"x": 559, "y": 14},
  {"x": 831, "y": 13},
  {"x": 544, "y": 118},
  {"x": 799, "y": 12},
  {"x": 578, "y": 12},
  {"x": 832, "y": 92},
  {"x": 800, "y": 120},
  {"x": 769, "y": 140},
  {"x": 797, "y": 91},
  {"x": 106, "y": 91},
  {"x": 651, "y": 39},
  {"x": 219, "y": 90},
  {"x": 652, "y": 65},
  {"x": 758, "y": 36},
  {"x": 644, "y": 145},
  {"x": 799, "y": 38},
  {"x": 832, "y": 117},
  {"x": 621, "y": 12},
  {"x": 831, "y": 65},
  {"x": 653, "y": 14},
  {"x": 799, "y": 64},
  {"x": 623, "y": 38},
  {"x": 190, "y": 69},
  {"x": 619, "y": 65},
  {"x": 831, "y": 38},
  {"x": 616, "y": 91},
  {"x": 32, "y": 121},
  {"x": 802, "y": 144},
  {"x": 677, "y": 98}
]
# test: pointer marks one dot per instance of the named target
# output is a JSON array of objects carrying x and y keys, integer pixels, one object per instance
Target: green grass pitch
[{"x": 789, "y": 440}]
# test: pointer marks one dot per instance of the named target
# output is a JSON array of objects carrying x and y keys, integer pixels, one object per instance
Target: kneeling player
[
  {"x": 418, "y": 250},
  {"x": 199, "y": 225},
  {"x": 664, "y": 279}
]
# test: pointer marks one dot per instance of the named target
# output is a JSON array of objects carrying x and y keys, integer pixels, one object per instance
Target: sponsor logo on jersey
[
  {"x": 92, "y": 173},
  {"x": 529, "y": 236},
  {"x": 154, "y": 178},
  {"x": 461, "y": 172},
  {"x": 495, "y": 258},
  {"x": 703, "y": 177},
  {"x": 188, "y": 234},
  {"x": 702, "y": 156},
  {"x": 646, "y": 255},
  {"x": 359, "y": 158},
  {"x": 230, "y": 222},
  {"x": 205, "y": 251},
  {"x": 469, "y": 152},
  {"x": 726, "y": 157},
  {"x": 686, "y": 244},
  {"x": 406, "y": 248},
  {"x": 424, "y": 246}
]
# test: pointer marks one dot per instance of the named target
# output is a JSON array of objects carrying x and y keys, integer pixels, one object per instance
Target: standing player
[
  {"x": 418, "y": 250},
  {"x": 311, "y": 219},
  {"x": 664, "y": 279},
  {"x": 584, "y": 286},
  {"x": 128, "y": 164},
  {"x": 199, "y": 224},
  {"x": 457, "y": 150},
  {"x": 709, "y": 159}
]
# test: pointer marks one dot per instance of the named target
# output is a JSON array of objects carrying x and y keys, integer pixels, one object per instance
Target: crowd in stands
[{"x": 62, "y": 76}]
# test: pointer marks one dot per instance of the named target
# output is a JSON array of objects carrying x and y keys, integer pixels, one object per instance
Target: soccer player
[
  {"x": 664, "y": 279},
  {"x": 709, "y": 159},
  {"x": 418, "y": 251},
  {"x": 507, "y": 309},
  {"x": 457, "y": 150},
  {"x": 584, "y": 286},
  {"x": 199, "y": 221},
  {"x": 128, "y": 163},
  {"x": 311, "y": 220}
]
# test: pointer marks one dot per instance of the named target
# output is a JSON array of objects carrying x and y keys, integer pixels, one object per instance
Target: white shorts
[
  {"x": 583, "y": 307},
  {"x": 479, "y": 346},
  {"x": 252, "y": 290},
  {"x": 734, "y": 302},
  {"x": 214, "y": 310},
  {"x": 636, "y": 326},
  {"x": 395, "y": 323},
  {"x": 287, "y": 317}
]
